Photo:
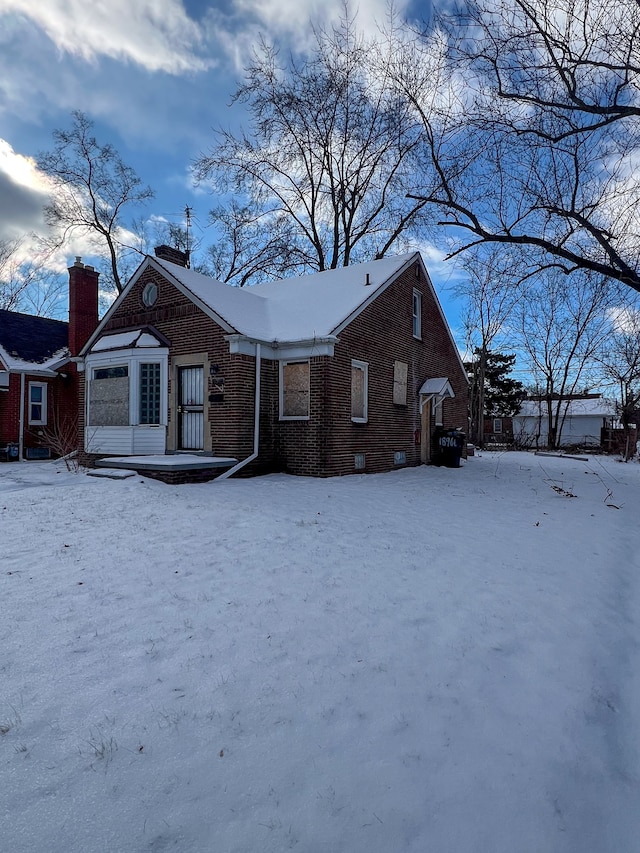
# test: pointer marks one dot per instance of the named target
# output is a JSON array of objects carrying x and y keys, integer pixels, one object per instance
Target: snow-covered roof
[
  {"x": 439, "y": 387},
  {"x": 32, "y": 344},
  {"x": 292, "y": 309},
  {"x": 586, "y": 407},
  {"x": 126, "y": 340}
]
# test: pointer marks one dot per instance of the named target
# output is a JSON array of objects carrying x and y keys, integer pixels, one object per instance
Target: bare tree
[
  {"x": 620, "y": 361},
  {"x": 533, "y": 138},
  {"x": 93, "y": 188},
  {"x": 562, "y": 326},
  {"x": 251, "y": 244},
  {"x": 492, "y": 289},
  {"x": 27, "y": 282},
  {"x": 327, "y": 161}
]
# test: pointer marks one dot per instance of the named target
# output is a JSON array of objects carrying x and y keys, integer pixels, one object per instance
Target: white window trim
[
  {"x": 416, "y": 315},
  {"x": 132, "y": 358},
  {"x": 282, "y": 365},
  {"x": 364, "y": 366},
  {"x": 43, "y": 420},
  {"x": 497, "y": 421}
]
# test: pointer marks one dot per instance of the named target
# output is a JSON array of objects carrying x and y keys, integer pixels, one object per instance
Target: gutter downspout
[
  {"x": 21, "y": 425},
  {"x": 256, "y": 424}
]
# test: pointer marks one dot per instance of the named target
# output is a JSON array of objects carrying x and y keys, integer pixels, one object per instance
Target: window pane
[
  {"x": 150, "y": 393},
  {"x": 111, "y": 372},
  {"x": 417, "y": 312},
  {"x": 37, "y": 408},
  {"x": 295, "y": 390}
]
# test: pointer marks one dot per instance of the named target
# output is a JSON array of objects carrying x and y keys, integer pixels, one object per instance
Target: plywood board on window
[{"x": 400, "y": 371}]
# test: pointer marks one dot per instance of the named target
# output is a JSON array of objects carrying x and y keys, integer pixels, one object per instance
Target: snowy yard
[{"x": 427, "y": 660}]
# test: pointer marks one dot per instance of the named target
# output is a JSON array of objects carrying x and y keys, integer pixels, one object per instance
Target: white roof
[
  {"x": 438, "y": 387},
  {"x": 41, "y": 368},
  {"x": 588, "y": 407},
  {"x": 292, "y": 309},
  {"x": 126, "y": 340}
]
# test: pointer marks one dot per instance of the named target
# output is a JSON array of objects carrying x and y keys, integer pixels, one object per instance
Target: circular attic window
[{"x": 150, "y": 294}]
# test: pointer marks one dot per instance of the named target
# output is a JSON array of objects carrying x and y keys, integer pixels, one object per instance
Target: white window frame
[
  {"x": 282, "y": 365},
  {"x": 131, "y": 359},
  {"x": 497, "y": 425},
  {"x": 42, "y": 421},
  {"x": 364, "y": 367},
  {"x": 416, "y": 311}
]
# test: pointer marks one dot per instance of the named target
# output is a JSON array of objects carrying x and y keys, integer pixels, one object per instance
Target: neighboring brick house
[
  {"x": 38, "y": 378},
  {"x": 353, "y": 368},
  {"x": 498, "y": 430}
]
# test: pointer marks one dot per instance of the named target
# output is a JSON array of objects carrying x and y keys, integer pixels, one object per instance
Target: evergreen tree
[{"x": 499, "y": 395}]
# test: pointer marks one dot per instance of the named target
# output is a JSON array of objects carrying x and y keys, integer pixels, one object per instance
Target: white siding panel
[
  {"x": 126, "y": 441},
  {"x": 117, "y": 441},
  {"x": 149, "y": 440}
]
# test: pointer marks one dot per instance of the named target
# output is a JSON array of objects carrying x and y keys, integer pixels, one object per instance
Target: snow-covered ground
[{"x": 427, "y": 660}]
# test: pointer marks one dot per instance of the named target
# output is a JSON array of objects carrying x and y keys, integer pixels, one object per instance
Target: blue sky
[{"x": 153, "y": 75}]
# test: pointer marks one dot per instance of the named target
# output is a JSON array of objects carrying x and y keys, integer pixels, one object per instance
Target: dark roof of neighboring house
[{"x": 29, "y": 338}]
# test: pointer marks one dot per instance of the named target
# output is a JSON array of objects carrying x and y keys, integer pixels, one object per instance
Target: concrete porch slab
[{"x": 168, "y": 463}]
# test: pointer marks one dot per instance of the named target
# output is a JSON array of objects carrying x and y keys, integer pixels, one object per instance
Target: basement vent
[{"x": 359, "y": 461}]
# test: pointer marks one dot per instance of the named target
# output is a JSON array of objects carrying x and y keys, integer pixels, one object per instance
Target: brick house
[
  {"x": 345, "y": 370},
  {"x": 39, "y": 388}
]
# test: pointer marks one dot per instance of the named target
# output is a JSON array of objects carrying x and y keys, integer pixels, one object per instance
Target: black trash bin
[{"x": 449, "y": 445}]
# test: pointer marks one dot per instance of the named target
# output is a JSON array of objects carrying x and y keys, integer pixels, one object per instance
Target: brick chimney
[
  {"x": 83, "y": 304},
  {"x": 174, "y": 256}
]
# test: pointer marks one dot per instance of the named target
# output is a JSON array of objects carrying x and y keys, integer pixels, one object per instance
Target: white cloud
[
  {"x": 155, "y": 34},
  {"x": 24, "y": 190},
  {"x": 294, "y": 17},
  {"x": 24, "y": 193},
  {"x": 290, "y": 23},
  {"x": 625, "y": 320}
]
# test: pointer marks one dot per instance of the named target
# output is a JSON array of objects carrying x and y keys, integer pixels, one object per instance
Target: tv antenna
[{"x": 187, "y": 216}]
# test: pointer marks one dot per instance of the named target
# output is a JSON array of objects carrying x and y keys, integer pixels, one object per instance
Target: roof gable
[
  {"x": 301, "y": 309},
  {"x": 25, "y": 338}
]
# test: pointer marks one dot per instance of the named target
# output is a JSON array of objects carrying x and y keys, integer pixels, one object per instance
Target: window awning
[
  {"x": 129, "y": 339},
  {"x": 438, "y": 388}
]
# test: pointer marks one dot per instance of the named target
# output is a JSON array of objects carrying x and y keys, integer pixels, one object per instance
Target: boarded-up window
[
  {"x": 295, "y": 389},
  {"x": 109, "y": 397},
  {"x": 359, "y": 391},
  {"x": 400, "y": 383}
]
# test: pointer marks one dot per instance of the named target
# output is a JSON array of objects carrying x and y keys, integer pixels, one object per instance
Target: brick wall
[
  {"x": 62, "y": 410},
  {"x": 326, "y": 443},
  {"x": 380, "y": 335}
]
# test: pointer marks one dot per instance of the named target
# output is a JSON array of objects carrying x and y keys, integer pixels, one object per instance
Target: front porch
[{"x": 172, "y": 468}]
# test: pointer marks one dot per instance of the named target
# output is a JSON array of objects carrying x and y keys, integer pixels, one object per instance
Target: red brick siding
[
  {"x": 380, "y": 335},
  {"x": 62, "y": 408},
  {"x": 326, "y": 443}
]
